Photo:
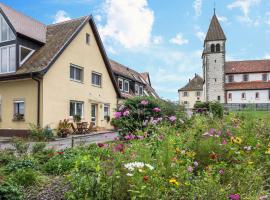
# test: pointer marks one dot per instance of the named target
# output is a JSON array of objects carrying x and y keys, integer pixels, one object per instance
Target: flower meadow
[{"x": 158, "y": 156}]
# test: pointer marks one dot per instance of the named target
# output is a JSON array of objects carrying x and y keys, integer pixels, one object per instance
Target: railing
[{"x": 248, "y": 106}]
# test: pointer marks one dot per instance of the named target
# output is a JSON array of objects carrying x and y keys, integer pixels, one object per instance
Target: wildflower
[
  {"x": 129, "y": 174},
  {"x": 177, "y": 150},
  {"x": 268, "y": 151},
  {"x": 247, "y": 148},
  {"x": 156, "y": 109},
  {"x": 145, "y": 178},
  {"x": 234, "y": 196},
  {"x": 221, "y": 172},
  {"x": 60, "y": 152},
  {"x": 140, "y": 137},
  {"x": 264, "y": 197},
  {"x": 236, "y": 140},
  {"x": 137, "y": 165},
  {"x": 130, "y": 137},
  {"x": 174, "y": 181},
  {"x": 172, "y": 118},
  {"x": 196, "y": 164},
  {"x": 191, "y": 154},
  {"x": 102, "y": 145},
  {"x": 190, "y": 169},
  {"x": 119, "y": 147},
  {"x": 126, "y": 113},
  {"x": 144, "y": 102},
  {"x": 213, "y": 156},
  {"x": 117, "y": 115},
  {"x": 224, "y": 142}
]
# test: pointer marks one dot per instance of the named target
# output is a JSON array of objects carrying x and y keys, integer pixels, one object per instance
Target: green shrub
[
  {"x": 216, "y": 109},
  {"x": 25, "y": 177},
  {"x": 6, "y": 156},
  {"x": 38, "y": 148},
  {"x": 21, "y": 164},
  {"x": 20, "y": 145},
  {"x": 38, "y": 133},
  {"x": 9, "y": 191}
]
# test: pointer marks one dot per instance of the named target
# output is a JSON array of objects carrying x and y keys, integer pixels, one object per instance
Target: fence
[{"x": 250, "y": 106}]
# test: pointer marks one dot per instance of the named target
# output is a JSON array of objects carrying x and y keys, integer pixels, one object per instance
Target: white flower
[
  {"x": 129, "y": 174},
  {"x": 137, "y": 165}
]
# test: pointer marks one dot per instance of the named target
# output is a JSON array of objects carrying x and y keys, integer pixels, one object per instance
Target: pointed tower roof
[{"x": 215, "y": 31}]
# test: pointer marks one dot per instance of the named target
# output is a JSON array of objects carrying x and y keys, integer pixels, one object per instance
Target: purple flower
[
  {"x": 144, "y": 102},
  {"x": 190, "y": 169},
  {"x": 234, "y": 196},
  {"x": 130, "y": 137},
  {"x": 221, "y": 172},
  {"x": 140, "y": 137},
  {"x": 126, "y": 113},
  {"x": 196, "y": 164},
  {"x": 156, "y": 109},
  {"x": 224, "y": 141},
  {"x": 117, "y": 115},
  {"x": 212, "y": 131},
  {"x": 172, "y": 118},
  {"x": 265, "y": 197}
]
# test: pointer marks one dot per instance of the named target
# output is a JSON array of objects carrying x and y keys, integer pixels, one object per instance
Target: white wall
[
  {"x": 250, "y": 96},
  {"x": 191, "y": 98},
  {"x": 252, "y": 77}
]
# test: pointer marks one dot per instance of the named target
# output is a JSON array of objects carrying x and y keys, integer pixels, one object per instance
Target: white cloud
[
  {"x": 245, "y": 6},
  {"x": 197, "y": 5},
  {"x": 61, "y": 16},
  {"x": 98, "y": 18},
  {"x": 200, "y": 35},
  {"x": 179, "y": 39},
  {"x": 267, "y": 56},
  {"x": 128, "y": 22},
  {"x": 222, "y": 18},
  {"x": 157, "y": 39}
]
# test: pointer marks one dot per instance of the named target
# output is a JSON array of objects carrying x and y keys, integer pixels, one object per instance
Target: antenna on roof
[{"x": 214, "y": 7}]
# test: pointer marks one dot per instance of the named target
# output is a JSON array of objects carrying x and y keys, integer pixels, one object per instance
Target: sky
[{"x": 164, "y": 37}]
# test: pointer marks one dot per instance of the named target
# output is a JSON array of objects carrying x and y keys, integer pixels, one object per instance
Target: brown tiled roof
[
  {"x": 195, "y": 84},
  {"x": 57, "y": 36},
  {"x": 25, "y": 25},
  {"x": 247, "y": 66},
  {"x": 126, "y": 72},
  {"x": 215, "y": 31},
  {"x": 247, "y": 85}
]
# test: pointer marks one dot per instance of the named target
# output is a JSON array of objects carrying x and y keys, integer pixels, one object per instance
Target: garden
[{"x": 160, "y": 153}]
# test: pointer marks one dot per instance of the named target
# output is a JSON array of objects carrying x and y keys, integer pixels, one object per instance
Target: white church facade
[{"x": 239, "y": 82}]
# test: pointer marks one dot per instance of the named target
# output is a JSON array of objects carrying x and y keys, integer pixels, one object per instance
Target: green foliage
[
  {"x": 216, "y": 109},
  {"x": 21, "y": 164},
  {"x": 77, "y": 118},
  {"x": 25, "y": 177},
  {"x": 63, "y": 129},
  {"x": 38, "y": 133},
  {"x": 9, "y": 191},
  {"x": 38, "y": 147},
  {"x": 20, "y": 145}
]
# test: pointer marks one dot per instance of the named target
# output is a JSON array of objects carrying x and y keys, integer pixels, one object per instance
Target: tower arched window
[
  {"x": 212, "y": 48},
  {"x": 218, "y": 48}
]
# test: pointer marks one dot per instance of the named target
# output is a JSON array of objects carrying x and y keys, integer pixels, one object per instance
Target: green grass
[{"x": 256, "y": 114}]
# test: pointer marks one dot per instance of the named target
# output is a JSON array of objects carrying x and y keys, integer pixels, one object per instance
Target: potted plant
[
  {"x": 107, "y": 118},
  {"x": 63, "y": 128},
  {"x": 77, "y": 118},
  {"x": 18, "y": 117}
]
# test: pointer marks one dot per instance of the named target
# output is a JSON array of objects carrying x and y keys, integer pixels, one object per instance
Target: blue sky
[{"x": 164, "y": 38}]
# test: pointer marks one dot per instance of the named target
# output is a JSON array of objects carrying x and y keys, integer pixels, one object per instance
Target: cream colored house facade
[{"x": 64, "y": 75}]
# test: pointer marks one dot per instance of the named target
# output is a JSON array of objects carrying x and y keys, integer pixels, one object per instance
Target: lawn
[
  {"x": 156, "y": 156},
  {"x": 256, "y": 114}
]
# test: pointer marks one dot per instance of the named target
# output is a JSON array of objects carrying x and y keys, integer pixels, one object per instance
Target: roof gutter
[{"x": 38, "y": 98}]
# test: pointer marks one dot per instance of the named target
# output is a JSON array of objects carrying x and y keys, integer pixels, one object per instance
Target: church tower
[{"x": 213, "y": 62}]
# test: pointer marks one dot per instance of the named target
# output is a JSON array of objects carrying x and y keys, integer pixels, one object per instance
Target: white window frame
[
  {"x": 125, "y": 81},
  {"x": 256, "y": 95},
  {"x": 28, "y": 56},
  {"x": 99, "y": 74},
  {"x": 82, "y": 73},
  {"x": 106, "y": 106},
  {"x": 75, "y": 109},
  {"x": 185, "y": 93},
  {"x": 266, "y": 77},
  {"x": 245, "y": 96},
  {"x": 232, "y": 78},
  {"x": 121, "y": 80},
  {"x": 137, "y": 92},
  {"x": 229, "y": 98},
  {"x": 141, "y": 94},
  {"x": 16, "y": 102},
  {"x": 8, "y": 47},
  {"x": 8, "y": 30},
  {"x": 244, "y": 77},
  {"x": 198, "y": 92}
]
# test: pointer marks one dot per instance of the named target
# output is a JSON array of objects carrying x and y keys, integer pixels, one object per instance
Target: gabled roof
[
  {"x": 252, "y": 85},
  {"x": 247, "y": 66},
  {"x": 193, "y": 85},
  {"x": 215, "y": 31},
  {"x": 25, "y": 25}
]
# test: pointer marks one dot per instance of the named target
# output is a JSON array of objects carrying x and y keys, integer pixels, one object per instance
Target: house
[
  {"x": 132, "y": 83},
  {"x": 191, "y": 92},
  {"x": 239, "y": 82},
  {"x": 52, "y": 72}
]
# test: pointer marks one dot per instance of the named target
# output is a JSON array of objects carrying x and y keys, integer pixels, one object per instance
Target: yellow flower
[
  {"x": 191, "y": 154},
  {"x": 250, "y": 163},
  {"x": 174, "y": 181},
  {"x": 268, "y": 151},
  {"x": 177, "y": 150},
  {"x": 236, "y": 140}
]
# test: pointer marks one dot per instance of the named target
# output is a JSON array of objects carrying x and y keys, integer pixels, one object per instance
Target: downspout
[{"x": 38, "y": 99}]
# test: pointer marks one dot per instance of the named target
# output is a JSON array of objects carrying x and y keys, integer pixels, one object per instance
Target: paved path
[{"x": 66, "y": 143}]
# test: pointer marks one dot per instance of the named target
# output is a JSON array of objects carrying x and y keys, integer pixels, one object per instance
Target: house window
[
  {"x": 218, "y": 98},
  {"x": 19, "y": 109},
  {"x": 257, "y": 95},
  {"x": 6, "y": 34},
  {"x": 76, "y": 73},
  {"x": 120, "y": 84},
  {"x": 264, "y": 77},
  {"x": 185, "y": 94},
  {"x": 243, "y": 95},
  {"x": 230, "y": 96},
  {"x": 185, "y": 102},
  {"x": 126, "y": 86},
  {"x": 137, "y": 89},
  {"x": 7, "y": 59},
  {"x": 230, "y": 78},
  {"x": 87, "y": 38},
  {"x": 76, "y": 108},
  {"x": 212, "y": 48},
  {"x": 96, "y": 79},
  {"x": 245, "y": 77},
  {"x": 198, "y": 94},
  {"x": 25, "y": 53},
  {"x": 218, "y": 48},
  {"x": 141, "y": 90},
  {"x": 106, "y": 110}
]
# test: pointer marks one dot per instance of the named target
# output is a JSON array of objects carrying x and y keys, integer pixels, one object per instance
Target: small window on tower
[
  {"x": 212, "y": 48},
  {"x": 218, "y": 48},
  {"x": 218, "y": 98}
]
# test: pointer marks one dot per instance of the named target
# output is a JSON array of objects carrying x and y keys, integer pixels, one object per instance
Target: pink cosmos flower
[
  {"x": 130, "y": 137},
  {"x": 234, "y": 196},
  {"x": 265, "y": 197},
  {"x": 190, "y": 169},
  {"x": 172, "y": 118},
  {"x": 156, "y": 110},
  {"x": 144, "y": 102},
  {"x": 126, "y": 113},
  {"x": 117, "y": 115},
  {"x": 224, "y": 141},
  {"x": 221, "y": 172}
]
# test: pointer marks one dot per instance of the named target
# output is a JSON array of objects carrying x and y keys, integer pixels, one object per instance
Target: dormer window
[
  {"x": 7, "y": 59},
  {"x": 126, "y": 86},
  {"x": 6, "y": 33},
  {"x": 25, "y": 53}
]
